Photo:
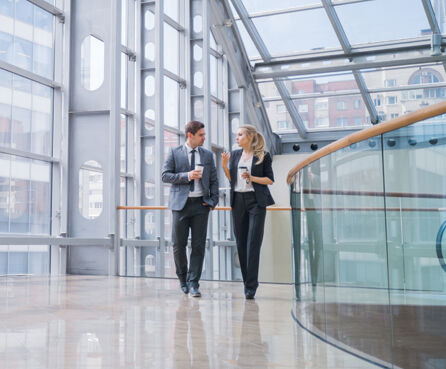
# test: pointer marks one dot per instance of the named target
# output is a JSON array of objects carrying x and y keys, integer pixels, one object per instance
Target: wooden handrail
[
  {"x": 379, "y": 129},
  {"x": 269, "y": 208}
]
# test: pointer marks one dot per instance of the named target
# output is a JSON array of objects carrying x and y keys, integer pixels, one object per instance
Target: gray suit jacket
[{"x": 175, "y": 171}]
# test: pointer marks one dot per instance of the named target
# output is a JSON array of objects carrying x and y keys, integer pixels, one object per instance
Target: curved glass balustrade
[{"x": 365, "y": 223}]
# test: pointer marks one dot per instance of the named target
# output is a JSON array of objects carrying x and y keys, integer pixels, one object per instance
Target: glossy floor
[{"x": 112, "y": 322}]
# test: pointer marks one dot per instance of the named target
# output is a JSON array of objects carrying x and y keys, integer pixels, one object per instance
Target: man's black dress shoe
[
  {"x": 195, "y": 292},
  {"x": 250, "y": 294},
  {"x": 185, "y": 288}
]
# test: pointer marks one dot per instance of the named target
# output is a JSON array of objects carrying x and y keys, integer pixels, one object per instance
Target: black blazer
[{"x": 264, "y": 169}]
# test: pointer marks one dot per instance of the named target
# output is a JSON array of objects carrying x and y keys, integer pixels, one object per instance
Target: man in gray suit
[{"x": 194, "y": 192}]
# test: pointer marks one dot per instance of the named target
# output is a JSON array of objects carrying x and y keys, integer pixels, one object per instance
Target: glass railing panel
[
  {"x": 354, "y": 249},
  {"x": 311, "y": 245},
  {"x": 415, "y": 182},
  {"x": 378, "y": 208}
]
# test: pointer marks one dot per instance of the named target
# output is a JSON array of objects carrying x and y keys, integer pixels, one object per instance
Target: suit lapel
[
  {"x": 254, "y": 161},
  {"x": 234, "y": 174},
  {"x": 185, "y": 158},
  {"x": 201, "y": 154}
]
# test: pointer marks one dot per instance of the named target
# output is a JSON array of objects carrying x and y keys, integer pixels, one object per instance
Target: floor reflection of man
[
  {"x": 190, "y": 350},
  {"x": 252, "y": 353}
]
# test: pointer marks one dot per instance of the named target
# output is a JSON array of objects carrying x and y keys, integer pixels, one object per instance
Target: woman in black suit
[{"x": 249, "y": 173}]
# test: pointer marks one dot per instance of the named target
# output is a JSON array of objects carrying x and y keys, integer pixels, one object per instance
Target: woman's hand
[
  {"x": 246, "y": 176},
  {"x": 225, "y": 159},
  {"x": 224, "y": 163}
]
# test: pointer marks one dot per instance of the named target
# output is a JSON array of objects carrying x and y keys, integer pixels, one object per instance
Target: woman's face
[{"x": 242, "y": 138}]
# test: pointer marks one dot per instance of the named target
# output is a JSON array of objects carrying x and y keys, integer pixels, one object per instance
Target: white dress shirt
[
  {"x": 241, "y": 185},
  {"x": 198, "y": 187}
]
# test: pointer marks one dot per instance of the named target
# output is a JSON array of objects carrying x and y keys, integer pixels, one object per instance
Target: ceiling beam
[
  {"x": 431, "y": 16},
  {"x": 351, "y": 66},
  {"x": 228, "y": 37},
  {"x": 375, "y": 49},
  {"x": 345, "y": 44},
  {"x": 266, "y": 56}
]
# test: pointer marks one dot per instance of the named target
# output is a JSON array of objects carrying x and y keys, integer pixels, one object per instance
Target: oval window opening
[
  {"x": 91, "y": 184},
  {"x": 92, "y": 63}
]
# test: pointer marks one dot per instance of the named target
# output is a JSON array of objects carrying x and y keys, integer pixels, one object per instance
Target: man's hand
[
  {"x": 195, "y": 174},
  {"x": 208, "y": 206}
]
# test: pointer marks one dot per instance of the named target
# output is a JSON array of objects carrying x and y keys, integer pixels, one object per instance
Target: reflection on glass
[
  {"x": 215, "y": 123},
  {"x": 24, "y": 195},
  {"x": 150, "y": 225},
  {"x": 251, "y": 49},
  {"x": 171, "y": 102},
  {"x": 171, "y": 8},
  {"x": 198, "y": 108},
  {"x": 91, "y": 189},
  {"x": 214, "y": 75},
  {"x": 149, "y": 156},
  {"x": 149, "y": 190},
  {"x": 256, "y": 6},
  {"x": 124, "y": 91},
  {"x": 21, "y": 113},
  {"x": 235, "y": 123},
  {"x": 268, "y": 89},
  {"x": 171, "y": 140},
  {"x": 40, "y": 197},
  {"x": 312, "y": 26},
  {"x": 26, "y": 37},
  {"x": 398, "y": 77},
  {"x": 123, "y": 213},
  {"x": 359, "y": 18},
  {"x": 5, "y": 178},
  {"x": 171, "y": 53},
  {"x": 123, "y": 146},
  {"x": 124, "y": 9},
  {"x": 92, "y": 63}
]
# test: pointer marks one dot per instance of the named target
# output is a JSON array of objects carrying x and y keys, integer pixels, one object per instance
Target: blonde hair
[{"x": 258, "y": 142}]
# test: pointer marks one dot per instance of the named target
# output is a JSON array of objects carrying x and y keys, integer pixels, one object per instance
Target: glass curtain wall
[
  {"x": 175, "y": 105},
  {"x": 26, "y": 126}
]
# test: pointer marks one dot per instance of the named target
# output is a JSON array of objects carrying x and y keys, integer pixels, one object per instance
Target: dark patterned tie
[{"x": 192, "y": 167}]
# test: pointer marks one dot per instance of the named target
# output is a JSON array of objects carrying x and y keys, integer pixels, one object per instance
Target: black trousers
[
  {"x": 193, "y": 216},
  {"x": 249, "y": 224}
]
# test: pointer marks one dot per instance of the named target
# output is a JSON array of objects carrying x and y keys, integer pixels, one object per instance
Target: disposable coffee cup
[
  {"x": 241, "y": 170},
  {"x": 199, "y": 167}
]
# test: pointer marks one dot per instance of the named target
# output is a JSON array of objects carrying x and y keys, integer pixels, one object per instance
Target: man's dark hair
[{"x": 193, "y": 127}]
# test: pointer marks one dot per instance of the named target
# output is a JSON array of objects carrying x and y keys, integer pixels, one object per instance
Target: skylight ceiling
[{"x": 343, "y": 64}]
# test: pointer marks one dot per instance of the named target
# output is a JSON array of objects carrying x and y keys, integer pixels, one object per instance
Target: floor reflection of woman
[
  {"x": 253, "y": 352},
  {"x": 249, "y": 170}
]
